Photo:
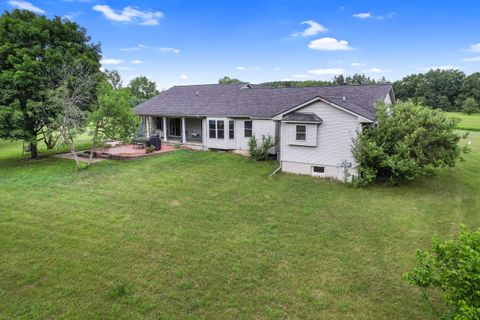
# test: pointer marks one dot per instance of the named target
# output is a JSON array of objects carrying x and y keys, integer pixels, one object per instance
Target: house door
[{"x": 175, "y": 127}]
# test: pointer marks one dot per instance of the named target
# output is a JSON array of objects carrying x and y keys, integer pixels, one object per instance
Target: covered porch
[{"x": 172, "y": 129}]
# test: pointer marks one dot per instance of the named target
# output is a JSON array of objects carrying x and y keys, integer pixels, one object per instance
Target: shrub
[
  {"x": 454, "y": 268},
  {"x": 259, "y": 151},
  {"x": 408, "y": 140},
  {"x": 469, "y": 106}
]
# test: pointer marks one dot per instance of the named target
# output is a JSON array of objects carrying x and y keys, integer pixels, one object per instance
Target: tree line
[
  {"x": 449, "y": 90},
  {"x": 52, "y": 88}
]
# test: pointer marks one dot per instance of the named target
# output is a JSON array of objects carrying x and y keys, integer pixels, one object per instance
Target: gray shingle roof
[
  {"x": 231, "y": 100},
  {"x": 302, "y": 116}
]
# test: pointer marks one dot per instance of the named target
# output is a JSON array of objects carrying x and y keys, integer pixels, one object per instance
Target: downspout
[{"x": 276, "y": 170}]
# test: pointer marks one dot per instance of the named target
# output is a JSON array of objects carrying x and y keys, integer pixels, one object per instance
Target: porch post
[
  {"x": 204, "y": 132},
  {"x": 184, "y": 136},
  {"x": 164, "y": 128}
]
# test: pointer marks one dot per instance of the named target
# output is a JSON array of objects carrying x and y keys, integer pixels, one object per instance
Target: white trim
[{"x": 316, "y": 99}]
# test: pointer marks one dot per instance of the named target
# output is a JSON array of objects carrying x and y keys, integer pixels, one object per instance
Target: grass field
[
  {"x": 467, "y": 122},
  {"x": 205, "y": 235}
]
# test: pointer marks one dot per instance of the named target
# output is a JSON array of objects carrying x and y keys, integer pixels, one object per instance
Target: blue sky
[{"x": 187, "y": 42}]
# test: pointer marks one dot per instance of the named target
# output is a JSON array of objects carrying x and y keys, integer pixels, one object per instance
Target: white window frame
[{"x": 304, "y": 133}]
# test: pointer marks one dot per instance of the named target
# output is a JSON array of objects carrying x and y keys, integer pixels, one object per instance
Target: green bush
[
  {"x": 454, "y": 268},
  {"x": 259, "y": 150},
  {"x": 408, "y": 140},
  {"x": 469, "y": 106}
]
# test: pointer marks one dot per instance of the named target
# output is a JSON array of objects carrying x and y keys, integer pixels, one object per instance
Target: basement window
[{"x": 317, "y": 169}]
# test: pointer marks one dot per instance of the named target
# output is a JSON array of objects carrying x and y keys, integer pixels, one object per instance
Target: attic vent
[
  {"x": 196, "y": 93},
  {"x": 343, "y": 99}
]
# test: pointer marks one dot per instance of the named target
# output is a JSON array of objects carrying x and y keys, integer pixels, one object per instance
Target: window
[
  {"x": 247, "y": 125},
  {"x": 231, "y": 129},
  {"x": 216, "y": 129},
  {"x": 220, "y": 129},
  {"x": 212, "y": 129},
  {"x": 159, "y": 123},
  {"x": 301, "y": 133},
  {"x": 319, "y": 169},
  {"x": 175, "y": 127}
]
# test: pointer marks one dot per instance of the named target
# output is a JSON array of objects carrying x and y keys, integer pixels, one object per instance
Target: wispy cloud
[
  {"x": 377, "y": 70},
  {"x": 326, "y": 71},
  {"x": 159, "y": 49},
  {"x": 168, "y": 50},
  {"x": 357, "y": 64},
  {"x": 302, "y": 76},
  {"x": 363, "y": 15},
  {"x": 472, "y": 59},
  {"x": 129, "y": 15},
  {"x": 136, "y": 61},
  {"x": 313, "y": 29},
  {"x": 369, "y": 15},
  {"x": 329, "y": 44},
  {"x": 183, "y": 76},
  {"x": 474, "y": 47},
  {"x": 25, "y": 5},
  {"x": 277, "y": 69},
  {"x": 248, "y": 68},
  {"x": 111, "y": 61}
]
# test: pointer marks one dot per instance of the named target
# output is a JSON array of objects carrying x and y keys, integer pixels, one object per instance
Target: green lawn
[
  {"x": 207, "y": 235},
  {"x": 468, "y": 122}
]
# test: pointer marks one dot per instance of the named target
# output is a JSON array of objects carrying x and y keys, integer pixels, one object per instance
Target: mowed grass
[
  {"x": 467, "y": 122},
  {"x": 205, "y": 235}
]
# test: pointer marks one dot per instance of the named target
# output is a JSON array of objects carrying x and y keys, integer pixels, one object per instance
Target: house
[{"x": 315, "y": 125}]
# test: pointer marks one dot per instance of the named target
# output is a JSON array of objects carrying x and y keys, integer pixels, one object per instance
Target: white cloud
[
  {"x": 129, "y": 49},
  {"x": 364, "y": 15},
  {"x": 474, "y": 47},
  {"x": 167, "y": 50},
  {"x": 376, "y": 70},
  {"x": 25, "y": 5},
  {"x": 357, "y": 64},
  {"x": 326, "y": 71},
  {"x": 302, "y": 76},
  {"x": 111, "y": 61},
  {"x": 329, "y": 44},
  {"x": 249, "y": 68},
  {"x": 369, "y": 15},
  {"x": 472, "y": 59},
  {"x": 313, "y": 29},
  {"x": 136, "y": 61},
  {"x": 130, "y": 15},
  {"x": 183, "y": 76}
]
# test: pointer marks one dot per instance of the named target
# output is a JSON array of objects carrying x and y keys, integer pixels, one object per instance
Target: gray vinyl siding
[
  {"x": 240, "y": 142},
  {"x": 334, "y": 138}
]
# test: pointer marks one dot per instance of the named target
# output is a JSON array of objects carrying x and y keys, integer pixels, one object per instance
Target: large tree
[
  {"x": 33, "y": 50},
  {"x": 113, "y": 117},
  {"x": 228, "y": 80},
  {"x": 407, "y": 141},
  {"x": 142, "y": 89}
]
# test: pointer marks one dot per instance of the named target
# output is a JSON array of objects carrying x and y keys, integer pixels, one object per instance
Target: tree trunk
[
  {"x": 33, "y": 150},
  {"x": 94, "y": 142}
]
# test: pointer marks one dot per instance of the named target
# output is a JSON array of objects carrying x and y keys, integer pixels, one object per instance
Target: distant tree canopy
[
  {"x": 33, "y": 50},
  {"x": 142, "y": 89},
  {"x": 443, "y": 89},
  {"x": 228, "y": 80},
  {"x": 356, "y": 79}
]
